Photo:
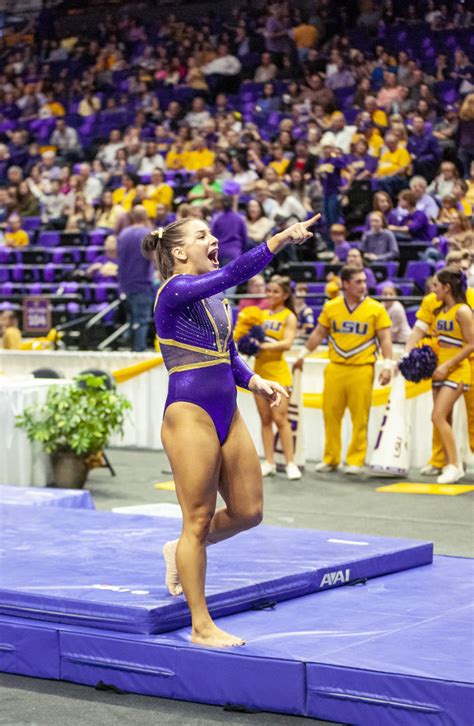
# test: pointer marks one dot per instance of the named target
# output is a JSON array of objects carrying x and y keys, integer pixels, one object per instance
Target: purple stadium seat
[
  {"x": 316, "y": 287},
  {"x": 24, "y": 273},
  {"x": 70, "y": 288},
  {"x": 97, "y": 236},
  {"x": 35, "y": 289},
  {"x": 105, "y": 292},
  {"x": 418, "y": 271},
  {"x": 54, "y": 273},
  {"x": 392, "y": 269},
  {"x": 406, "y": 287},
  {"x": 92, "y": 252},
  {"x": 6, "y": 288},
  {"x": 66, "y": 254},
  {"x": 320, "y": 268},
  {"x": 411, "y": 315},
  {"x": 6, "y": 256},
  {"x": 31, "y": 223},
  {"x": 73, "y": 308},
  {"x": 3, "y": 274},
  {"x": 49, "y": 238}
]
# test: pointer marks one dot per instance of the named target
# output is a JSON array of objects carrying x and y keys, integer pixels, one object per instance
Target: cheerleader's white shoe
[
  {"x": 430, "y": 470},
  {"x": 268, "y": 469},
  {"x": 451, "y": 474}
]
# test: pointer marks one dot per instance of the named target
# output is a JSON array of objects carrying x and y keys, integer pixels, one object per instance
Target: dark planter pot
[{"x": 69, "y": 471}]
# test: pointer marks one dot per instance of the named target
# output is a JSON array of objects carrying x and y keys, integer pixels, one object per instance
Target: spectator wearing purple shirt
[
  {"x": 414, "y": 224},
  {"x": 338, "y": 234},
  {"x": 105, "y": 266},
  {"x": 360, "y": 164},
  {"x": 276, "y": 35},
  {"x": 329, "y": 172},
  {"x": 340, "y": 78},
  {"x": 354, "y": 259},
  {"x": 229, "y": 228},
  {"x": 134, "y": 276},
  {"x": 424, "y": 150},
  {"x": 379, "y": 244}
]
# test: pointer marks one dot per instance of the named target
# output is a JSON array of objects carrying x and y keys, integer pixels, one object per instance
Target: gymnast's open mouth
[{"x": 213, "y": 255}]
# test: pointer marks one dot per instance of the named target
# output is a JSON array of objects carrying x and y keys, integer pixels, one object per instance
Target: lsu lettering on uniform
[
  {"x": 426, "y": 314},
  {"x": 450, "y": 339},
  {"x": 271, "y": 364},
  {"x": 349, "y": 375}
]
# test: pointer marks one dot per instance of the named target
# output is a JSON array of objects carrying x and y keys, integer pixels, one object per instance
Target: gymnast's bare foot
[
  {"x": 172, "y": 578},
  {"x": 213, "y": 636}
]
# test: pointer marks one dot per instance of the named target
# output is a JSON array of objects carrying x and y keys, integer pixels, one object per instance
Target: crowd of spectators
[{"x": 250, "y": 121}]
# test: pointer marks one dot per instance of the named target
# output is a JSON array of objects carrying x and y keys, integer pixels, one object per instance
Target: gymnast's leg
[
  {"x": 240, "y": 484},
  {"x": 194, "y": 452}
]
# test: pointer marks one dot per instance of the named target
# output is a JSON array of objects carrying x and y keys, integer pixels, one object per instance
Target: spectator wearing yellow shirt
[
  {"x": 15, "y": 236},
  {"x": 279, "y": 163},
  {"x": 125, "y": 194},
  {"x": 393, "y": 167},
  {"x": 176, "y": 156},
  {"x": 470, "y": 186},
  {"x": 108, "y": 213},
  {"x": 158, "y": 191},
  {"x": 460, "y": 190},
  {"x": 305, "y": 36},
  {"x": 11, "y": 335},
  {"x": 51, "y": 107},
  {"x": 366, "y": 128},
  {"x": 199, "y": 157},
  {"x": 377, "y": 115}
]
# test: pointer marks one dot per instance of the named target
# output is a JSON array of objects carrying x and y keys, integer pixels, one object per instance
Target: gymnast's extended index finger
[{"x": 310, "y": 222}]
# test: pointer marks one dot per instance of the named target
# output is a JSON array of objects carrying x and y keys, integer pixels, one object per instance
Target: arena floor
[{"x": 333, "y": 502}]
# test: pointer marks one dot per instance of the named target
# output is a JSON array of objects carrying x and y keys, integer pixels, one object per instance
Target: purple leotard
[{"x": 194, "y": 326}]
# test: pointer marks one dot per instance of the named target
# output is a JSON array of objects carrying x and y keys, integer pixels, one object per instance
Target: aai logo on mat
[{"x": 335, "y": 578}]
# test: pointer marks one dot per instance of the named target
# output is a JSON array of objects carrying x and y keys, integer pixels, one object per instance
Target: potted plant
[{"x": 74, "y": 424}]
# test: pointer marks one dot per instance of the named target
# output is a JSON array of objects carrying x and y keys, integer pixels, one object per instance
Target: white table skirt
[
  {"x": 147, "y": 393},
  {"x": 21, "y": 462}
]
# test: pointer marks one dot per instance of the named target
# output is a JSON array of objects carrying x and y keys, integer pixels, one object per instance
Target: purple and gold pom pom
[
  {"x": 248, "y": 345},
  {"x": 257, "y": 332},
  {"x": 419, "y": 364}
]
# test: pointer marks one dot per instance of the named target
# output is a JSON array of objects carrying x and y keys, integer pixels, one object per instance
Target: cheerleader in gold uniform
[
  {"x": 279, "y": 324},
  {"x": 425, "y": 321},
  {"x": 454, "y": 329}
]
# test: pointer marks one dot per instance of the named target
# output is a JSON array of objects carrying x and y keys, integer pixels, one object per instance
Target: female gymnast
[
  {"x": 455, "y": 333},
  {"x": 279, "y": 324},
  {"x": 204, "y": 436}
]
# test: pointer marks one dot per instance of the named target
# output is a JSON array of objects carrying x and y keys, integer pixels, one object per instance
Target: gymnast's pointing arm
[{"x": 186, "y": 288}]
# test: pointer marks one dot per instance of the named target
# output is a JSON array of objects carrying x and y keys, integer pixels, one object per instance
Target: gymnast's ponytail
[{"x": 158, "y": 245}]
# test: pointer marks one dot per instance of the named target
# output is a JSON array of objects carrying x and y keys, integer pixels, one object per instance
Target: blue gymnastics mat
[
  {"x": 46, "y": 497},
  {"x": 396, "y": 651},
  {"x": 105, "y": 570}
]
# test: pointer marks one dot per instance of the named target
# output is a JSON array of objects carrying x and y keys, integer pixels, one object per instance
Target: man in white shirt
[
  {"x": 92, "y": 185},
  {"x": 339, "y": 134},
  {"x": 152, "y": 159},
  {"x": 266, "y": 71},
  {"x": 225, "y": 64},
  {"x": 66, "y": 139},
  {"x": 198, "y": 116},
  {"x": 424, "y": 202},
  {"x": 108, "y": 152}
]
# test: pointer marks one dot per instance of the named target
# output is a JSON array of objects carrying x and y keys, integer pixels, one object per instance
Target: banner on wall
[
  {"x": 391, "y": 452},
  {"x": 295, "y": 417}
]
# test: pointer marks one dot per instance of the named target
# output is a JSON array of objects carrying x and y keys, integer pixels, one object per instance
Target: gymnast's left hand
[{"x": 270, "y": 390}]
